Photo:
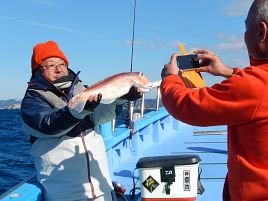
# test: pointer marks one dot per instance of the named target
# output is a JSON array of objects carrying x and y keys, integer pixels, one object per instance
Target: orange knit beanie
[{"x": 43, "y": 51}]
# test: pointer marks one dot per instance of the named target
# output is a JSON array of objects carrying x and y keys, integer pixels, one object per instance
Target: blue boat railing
[{"x": 27, "y": 190}]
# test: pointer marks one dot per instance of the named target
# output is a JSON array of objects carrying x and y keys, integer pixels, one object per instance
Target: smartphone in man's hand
[{"x": 187, "y": 62}]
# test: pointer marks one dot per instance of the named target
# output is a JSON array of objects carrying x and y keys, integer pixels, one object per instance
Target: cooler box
[{"x": 169, "y": 178}]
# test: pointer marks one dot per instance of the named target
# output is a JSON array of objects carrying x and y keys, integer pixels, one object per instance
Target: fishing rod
[
  {"x": 133, "y": 35},
  {"x": 131, "y": 103}
]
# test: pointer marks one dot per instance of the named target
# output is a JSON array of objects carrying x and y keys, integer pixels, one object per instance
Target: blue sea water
[{"x": 16, "y": 164}]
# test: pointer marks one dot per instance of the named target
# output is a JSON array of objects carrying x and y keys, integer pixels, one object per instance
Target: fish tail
[
  {"x": 80, "y": 106},
  {"x": 78, "y": 103}
]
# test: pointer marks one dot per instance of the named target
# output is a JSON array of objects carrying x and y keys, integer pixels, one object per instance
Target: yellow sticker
[{"x": 150, "y": 184}]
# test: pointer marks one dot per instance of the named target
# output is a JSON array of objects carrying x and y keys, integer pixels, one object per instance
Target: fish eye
[{"x": 141, "y": 74}]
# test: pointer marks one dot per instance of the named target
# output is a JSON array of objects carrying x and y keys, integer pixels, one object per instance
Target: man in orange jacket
[{"x": 240, "y": 102}]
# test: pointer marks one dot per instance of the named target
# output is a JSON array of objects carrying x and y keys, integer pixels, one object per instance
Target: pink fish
[{"x": 111, "y": 88}]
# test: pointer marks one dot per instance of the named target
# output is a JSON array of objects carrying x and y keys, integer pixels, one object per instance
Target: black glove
[
  {"x": 132, "y": 95},
  {"x": 90, "y": 106}
]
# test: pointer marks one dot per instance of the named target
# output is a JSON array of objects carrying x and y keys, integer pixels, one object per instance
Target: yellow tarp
[{"x": 190, "y": 77}]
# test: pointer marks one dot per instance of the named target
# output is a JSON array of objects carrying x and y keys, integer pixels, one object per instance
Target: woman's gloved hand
[
  {"x": 93, "y": 102},
  {"x": 132, "y": 95}
]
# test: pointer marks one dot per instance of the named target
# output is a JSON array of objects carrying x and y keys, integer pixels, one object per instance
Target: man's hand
[
  {"x": 92, "y": 102},
  {"x": 170, "y": 68},
  {"x": 133, "y": 94},
  {"x": 212, "y": 64}
]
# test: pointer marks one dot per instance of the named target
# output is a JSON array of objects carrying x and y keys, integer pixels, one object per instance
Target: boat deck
[{"x": 168, "y": 137}]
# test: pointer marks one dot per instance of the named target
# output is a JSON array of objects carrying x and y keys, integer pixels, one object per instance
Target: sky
[{"x": 95, "y": 35}]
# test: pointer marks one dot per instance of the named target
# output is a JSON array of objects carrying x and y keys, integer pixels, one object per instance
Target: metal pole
[
  {"x": 157, "y": 98},
  {"x": 142, "y": 104},
  {"x": 131, "y": 110},
  {"x": 113, "y": 125}
]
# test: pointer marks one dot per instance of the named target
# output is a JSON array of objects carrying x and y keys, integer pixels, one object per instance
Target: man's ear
[{"x": 263, "y": 31}]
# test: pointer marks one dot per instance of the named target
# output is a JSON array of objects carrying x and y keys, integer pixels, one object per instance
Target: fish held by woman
[{"x": 111, "y": 88}]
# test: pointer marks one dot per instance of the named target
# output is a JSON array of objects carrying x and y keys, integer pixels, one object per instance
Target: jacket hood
[{"x": 256, "y": 61}]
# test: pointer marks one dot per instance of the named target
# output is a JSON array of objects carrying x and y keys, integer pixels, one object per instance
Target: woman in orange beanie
[
  {"x": 69, "y": 154},
  {"x": 240, "y": 102}
]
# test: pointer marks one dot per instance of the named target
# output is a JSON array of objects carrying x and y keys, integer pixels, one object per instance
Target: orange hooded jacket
[{"x": 241, "y": 103}]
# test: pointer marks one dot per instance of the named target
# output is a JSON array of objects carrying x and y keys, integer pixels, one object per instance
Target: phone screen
[{"x": 187, "y": 61}]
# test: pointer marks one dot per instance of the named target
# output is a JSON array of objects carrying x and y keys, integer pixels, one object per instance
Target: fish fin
[
  {"x": 155, "y": 84},
  {"x": 78, "y": 102},
  {"x": 143, "y": 88},
  {"x": 79, "y": 106},
  {"x": 107, "y": 101}
]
